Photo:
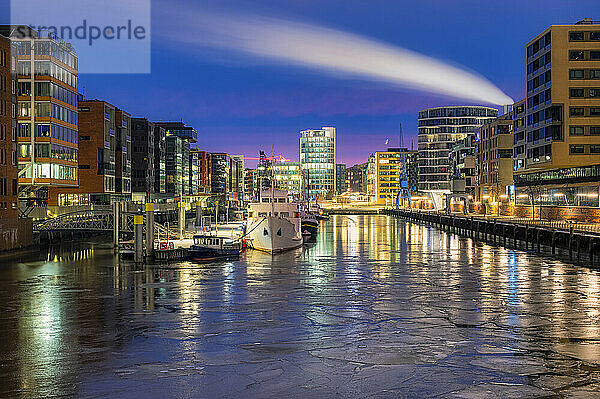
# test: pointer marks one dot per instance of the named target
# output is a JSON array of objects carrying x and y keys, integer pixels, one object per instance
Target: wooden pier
[{"x": 506, "y": 232}]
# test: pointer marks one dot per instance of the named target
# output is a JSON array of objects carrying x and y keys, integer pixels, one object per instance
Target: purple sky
[{"x": 241, "y": 106}]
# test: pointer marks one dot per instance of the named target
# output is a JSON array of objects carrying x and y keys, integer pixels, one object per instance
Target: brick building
[{"x": 14, "y": 232}]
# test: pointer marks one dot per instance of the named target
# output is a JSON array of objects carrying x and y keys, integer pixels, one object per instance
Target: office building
[
  {"x": 388, "y": 175},
  {"x": 356, "y": 178},
  {"x": 494, "y": 163},
  {"x": 288, "y": 177},
  {"x": 558, "y": 158},
  {"x": 439, "y": 129},
  {"x": 340, "y": 178},
  {"x": 47, "y": 112},
  {"x": 317, "y": 161}
]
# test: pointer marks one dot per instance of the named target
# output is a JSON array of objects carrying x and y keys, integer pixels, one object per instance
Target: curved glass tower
[{"x": 439, "y": 129}]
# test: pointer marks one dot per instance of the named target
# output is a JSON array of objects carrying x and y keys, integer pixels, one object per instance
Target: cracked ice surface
[{"x": 375, "y": 308}]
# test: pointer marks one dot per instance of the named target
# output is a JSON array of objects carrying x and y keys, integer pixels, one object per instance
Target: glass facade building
[
  {"x": 47, "y": 70},
  {"x": 317, "y": 161},
  {"x": 288, "y": 177},
  {"x": 439, "y": 130}
]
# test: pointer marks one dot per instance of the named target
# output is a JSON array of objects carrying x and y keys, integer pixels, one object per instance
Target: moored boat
[
  {"x": 274, "y": 223},
  {"x": 207, "y": 247}
]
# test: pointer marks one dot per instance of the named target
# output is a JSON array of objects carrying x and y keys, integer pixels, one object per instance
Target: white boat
[{"x": 274, "y": 223}]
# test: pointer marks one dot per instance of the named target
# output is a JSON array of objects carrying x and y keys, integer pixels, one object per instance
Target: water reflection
[{"x": 371, "y": 292}]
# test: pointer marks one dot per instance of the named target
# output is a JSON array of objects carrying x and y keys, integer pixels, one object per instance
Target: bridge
[{"x": 94, "y": 222}]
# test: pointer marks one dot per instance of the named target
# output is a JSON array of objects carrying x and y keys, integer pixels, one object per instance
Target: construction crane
[
  {"x": 279, "y": 158},
  {"x": 404, "y": 192}
]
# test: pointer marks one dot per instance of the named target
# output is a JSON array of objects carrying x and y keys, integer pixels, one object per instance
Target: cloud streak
[{"x": 332, "y": 51}]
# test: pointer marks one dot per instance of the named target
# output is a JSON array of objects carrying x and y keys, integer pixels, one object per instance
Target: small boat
[
  {"x": 318, "y": 212},
  {"x": 309, "y": 223},
  {"x": 207, "y": 247}
]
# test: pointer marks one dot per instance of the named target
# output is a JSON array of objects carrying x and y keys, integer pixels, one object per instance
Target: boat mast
[{"x": 272, "y": 179}]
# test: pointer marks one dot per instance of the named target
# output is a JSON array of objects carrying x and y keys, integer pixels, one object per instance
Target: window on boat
[
  {"x": 284, "y": 214},
  {"x": 249, "y": 214},
  {"x": 281, "y": 199},
  {"x": 262, "y": 214},
  {"x": 266, "y": 200},
  {"x": 265, "y": 232},
  {"x": 279, "y": 232}
]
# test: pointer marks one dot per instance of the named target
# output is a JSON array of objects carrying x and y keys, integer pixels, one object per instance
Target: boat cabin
[{"x": 273, "y": 204}]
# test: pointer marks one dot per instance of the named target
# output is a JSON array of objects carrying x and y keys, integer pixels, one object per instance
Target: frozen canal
[{"x": 376, "y": 308}]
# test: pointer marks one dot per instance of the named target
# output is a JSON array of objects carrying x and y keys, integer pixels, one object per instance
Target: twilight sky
[{"x": 241, "y": 104}]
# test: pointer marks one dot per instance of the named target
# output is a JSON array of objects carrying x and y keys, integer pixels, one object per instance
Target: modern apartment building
[
  {"x": 96, "y": 156},
  {"x": 462, "y": 164},
  {"x": 200, "y": 174},
  {"x": 142, "y": 159},
  {"x": 288, "y": 177},
  {"x": 494, "y": 160},
  {"x": 219, "y": 175},
  {"x": 558, "y": 157},
  {"x": 177, "y": 156},
  {"x": 237, "y": 179},
  {"x": 250, "y": 184},
  {"x": 317, "y": 161},
  {"x": 388, "y": 174},
  {"x": 179, "y": 138},
  {"x": 47, "y": 71},
  {"x": 439, "y": 130},
  {"x": 160, "y": 166},
  {"x": 123, "y": 154}
]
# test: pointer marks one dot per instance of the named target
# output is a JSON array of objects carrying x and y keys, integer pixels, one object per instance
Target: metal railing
[{"x": 567, "y": 225}]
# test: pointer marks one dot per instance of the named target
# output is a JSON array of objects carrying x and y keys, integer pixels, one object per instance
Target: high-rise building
[
  {"x": 142, "y": 159},
  {"x": 388, "y": 174},
  {"x": 439, "y": 129},
  {"x": 340, "y": 178},
  {"x": 14, "y": 232},
  {"x": 47, "y": 112},
  {"x": 356, "y": 178},
  {"x": 317, "y": 160},
  {"x": 494, "y": 152},
  {"x": 288, "y": 177},
  {"x": 97, "y": 157},
  {"x": 562, "y": 118}
]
